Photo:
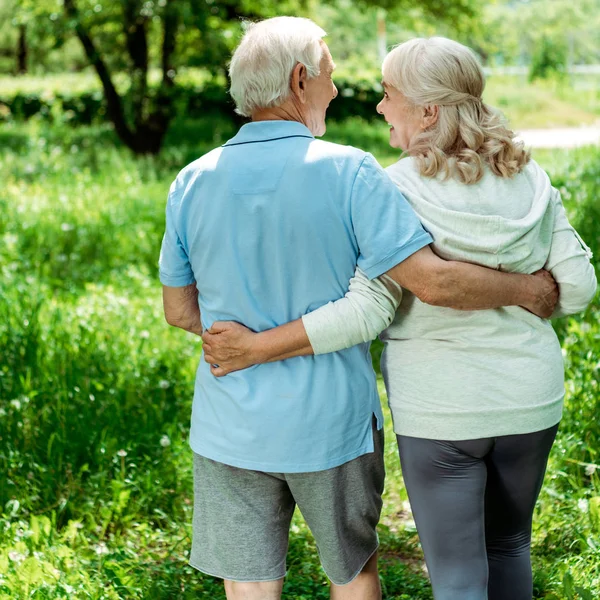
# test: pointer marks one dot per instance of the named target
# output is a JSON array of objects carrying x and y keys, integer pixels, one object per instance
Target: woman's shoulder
[
  {"x": 405, "y": 174},
  {"x": 405, "y": 166}
]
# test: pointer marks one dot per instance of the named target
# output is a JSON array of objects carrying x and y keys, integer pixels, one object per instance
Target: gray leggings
[{"x": 473, "y": 504}]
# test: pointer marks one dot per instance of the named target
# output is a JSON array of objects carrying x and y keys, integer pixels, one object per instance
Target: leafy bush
[
  {"x": 549, "y": 59},
  {"x": 195, "y": 99}
]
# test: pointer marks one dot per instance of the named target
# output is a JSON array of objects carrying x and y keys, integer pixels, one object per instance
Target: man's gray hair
[{"x": 262, "y": 64}]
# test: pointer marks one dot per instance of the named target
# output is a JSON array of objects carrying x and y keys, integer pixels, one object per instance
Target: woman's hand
[{"x": 229, "y": 346}]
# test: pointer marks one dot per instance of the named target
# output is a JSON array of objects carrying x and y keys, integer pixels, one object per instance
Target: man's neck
[{"x": 284, "y": 112}]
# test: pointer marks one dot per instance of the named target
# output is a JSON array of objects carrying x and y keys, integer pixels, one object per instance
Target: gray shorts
[{"x": 242, "y": 518}]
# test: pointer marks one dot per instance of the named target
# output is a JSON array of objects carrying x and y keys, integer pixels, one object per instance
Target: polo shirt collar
[{"x": 263, "y": 131}]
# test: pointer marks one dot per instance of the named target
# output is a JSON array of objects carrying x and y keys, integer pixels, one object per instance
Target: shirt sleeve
[
  {"x": 387, "y": 229},
  {"x": 569, "y": 262},
  {"x": 363, "y": 313},
  {"x": 174, "y": 266}
]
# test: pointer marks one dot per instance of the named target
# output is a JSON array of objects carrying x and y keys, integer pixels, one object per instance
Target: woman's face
[{"x": 405, "y": 119}]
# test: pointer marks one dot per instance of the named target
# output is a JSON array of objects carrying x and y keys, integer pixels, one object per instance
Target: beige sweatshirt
[{"x": 461, "y": 375}]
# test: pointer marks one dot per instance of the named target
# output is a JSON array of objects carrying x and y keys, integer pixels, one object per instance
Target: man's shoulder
[
  {"x": 339, "y": 153},
  {"x": 207, "y": 162}
]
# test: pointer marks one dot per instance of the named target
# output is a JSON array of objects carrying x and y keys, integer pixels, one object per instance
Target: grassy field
[
  {"x": 571, "y": 102},
  {"x": 95, "y": 388}
]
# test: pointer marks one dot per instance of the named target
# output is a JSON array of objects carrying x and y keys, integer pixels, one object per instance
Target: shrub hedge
[{"x": 358, "y": 96}]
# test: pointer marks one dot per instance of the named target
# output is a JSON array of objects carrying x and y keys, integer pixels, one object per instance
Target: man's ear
[
  {"x": 298, "y": 82},
  {"x": 430, "y": 116}
]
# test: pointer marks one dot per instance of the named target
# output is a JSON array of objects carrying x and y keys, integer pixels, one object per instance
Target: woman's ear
[
  {"x": 298, "y": 82},
  {"x": 430, "y": 116}
]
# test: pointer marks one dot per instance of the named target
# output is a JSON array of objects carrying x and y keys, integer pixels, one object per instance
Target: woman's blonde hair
[{"x": 468, "y": 133}]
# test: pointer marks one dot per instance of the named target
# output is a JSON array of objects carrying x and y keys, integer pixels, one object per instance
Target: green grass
[
  {"x": 544, "y": 104},
  {"x": 95, "y": 389}
]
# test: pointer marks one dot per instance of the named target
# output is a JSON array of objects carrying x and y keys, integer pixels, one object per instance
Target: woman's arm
[
  {"x": 365, "y": 311},
  {"x": 570, "y": 264}
]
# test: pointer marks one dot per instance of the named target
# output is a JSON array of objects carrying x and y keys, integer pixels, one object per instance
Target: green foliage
[
  {"x": 95, "y": 389},
  {"x": 511, "y": 32},
  {"x": 359, "y": 94},
  {"x": 549, "y": 59}
]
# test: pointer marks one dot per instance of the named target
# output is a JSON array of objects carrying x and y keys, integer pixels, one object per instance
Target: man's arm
[
  {"x": 181, "y": 308},
  {"x": 465, "y": 286}
]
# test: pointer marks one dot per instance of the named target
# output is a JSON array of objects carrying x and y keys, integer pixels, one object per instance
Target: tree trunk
[
  {"x": 22, "y": 50},
  {"x": 136, "y": 38},
  {"x": 146, "y": 134}
]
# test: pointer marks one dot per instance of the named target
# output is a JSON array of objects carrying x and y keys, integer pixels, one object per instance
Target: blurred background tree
[
  {"x": 136, "y": 36},
  {"x": 142, "y": 50}
]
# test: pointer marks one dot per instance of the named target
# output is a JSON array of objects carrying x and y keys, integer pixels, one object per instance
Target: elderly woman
[{"x": 476, "y": 397}]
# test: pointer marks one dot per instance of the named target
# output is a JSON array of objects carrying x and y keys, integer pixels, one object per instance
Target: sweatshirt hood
[{"x": 503, "y": 223}]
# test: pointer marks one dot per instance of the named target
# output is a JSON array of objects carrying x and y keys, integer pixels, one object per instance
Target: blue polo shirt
[{"x": 269, "y": 227}]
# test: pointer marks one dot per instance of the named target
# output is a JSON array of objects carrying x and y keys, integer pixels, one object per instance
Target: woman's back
[{"x": 495, "y": 371}]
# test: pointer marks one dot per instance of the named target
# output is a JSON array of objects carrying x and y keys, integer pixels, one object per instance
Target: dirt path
[{"x": 571, "y": 137}]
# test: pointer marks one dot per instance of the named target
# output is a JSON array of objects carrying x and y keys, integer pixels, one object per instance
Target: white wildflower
[
  {"x": 122, "y": 453},
  {"x": 16, "y": 556},
  {"x": 582, "y": 505},
  {"x": 145, "y": 334},
  {"x": 12, "y": 507},
  {"x": 590, "y": 470},
  {"x": 163, "y": 384},
  {"x": 102, "y": 548},
  {"x": 165, "y": 441}
]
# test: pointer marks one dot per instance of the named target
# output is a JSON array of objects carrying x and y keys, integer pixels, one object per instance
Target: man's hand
[
  {"x": 229, "y": 346},
  {"x": 544, "y": 294}
]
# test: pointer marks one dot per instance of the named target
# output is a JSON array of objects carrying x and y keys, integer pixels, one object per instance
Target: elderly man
[{"x": 260, "y": 231}]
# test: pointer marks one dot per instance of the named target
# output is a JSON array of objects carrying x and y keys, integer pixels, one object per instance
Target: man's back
[{"x": 273, "y": 225}]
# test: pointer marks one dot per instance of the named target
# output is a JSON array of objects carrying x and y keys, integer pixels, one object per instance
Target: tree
[
  {"x": 516, "y": 31},
  {"x": 22, "y": 50},
  {"x": 131, "y": 34},
  {"x": 151, "y": 114}
]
